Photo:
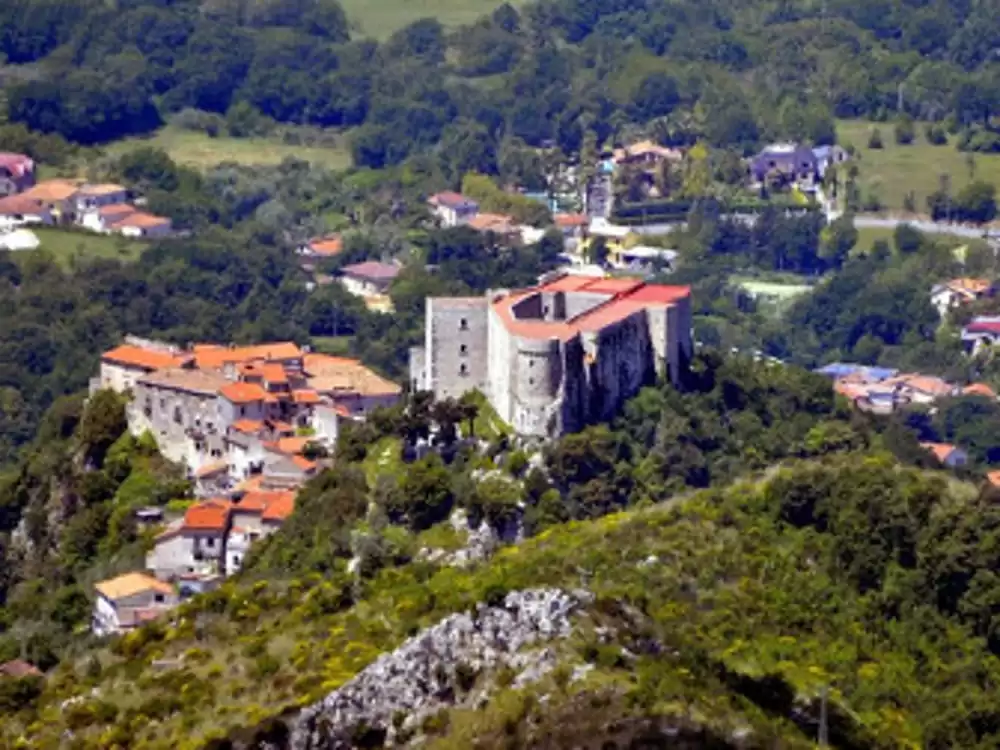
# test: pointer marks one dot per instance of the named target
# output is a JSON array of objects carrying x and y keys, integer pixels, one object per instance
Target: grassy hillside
[
  {"x": 380, "y": 19},
  {"x": 67, "y": 246},
  {"x": 753, "y": 619},
  {"x": 198, "y": 150},
  {"x": 894, "y": 170}
]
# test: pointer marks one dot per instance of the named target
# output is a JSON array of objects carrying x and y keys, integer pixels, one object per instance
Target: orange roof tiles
[
  {"x": 926, "y": 384},
  {"x": 660, "y": 293},
  {"x": 993, "y": 478},
  {"x": 247, "y": 426},
  {"x": 328, "y": 246},
  {"x": 499, "y": 223},
  {"x": 304, "y": 463},
  {"x": 273, "y": 372},
  {"x": 612, "y": 286},
  {"x": 131, "y": 584},
  {"x": 941, "y": 451},
  {"x": 243, "y": 393},
  {"x": 292, "y": 445},
  {"x": 21, "y": 205},
  {"x": 211, "y": 515},
  {"x": 116, "y": 209},
  {"x": 571, "y": 220},
  {"x": 305, "y": 396},
  {"x": 147, "y": 359},
  {"x": 280, "y": 507},
  {"x": 979, "y": 389},
  {"x": 214, "y": 356},
  {"x": 567, "y": 283},
  {"x": 140, "y": 220},
  {"x": 51, "y": 191},
  {"x": 974, "y": 286}
]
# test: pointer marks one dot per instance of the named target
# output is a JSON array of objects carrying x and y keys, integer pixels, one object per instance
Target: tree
[
  {"x": 907, "y": 239},
  {"x": 426, "y": 497},
  {"x": 976, "y": 202},
  {"x": 904, "y": 131},
  {"x": 656, "y": 96},
  {"x": 102, "y": 424},
  {"x": 837, "y": 240},
  {"x": 875, "y": 139}
]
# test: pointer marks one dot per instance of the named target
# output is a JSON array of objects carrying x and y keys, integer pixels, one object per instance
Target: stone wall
[
  {"x": 500, "y": 367},
  {"x": 458, "y": 354},
  {"x": 538, "y": 374},
  {"x": 173, "y": 417}
]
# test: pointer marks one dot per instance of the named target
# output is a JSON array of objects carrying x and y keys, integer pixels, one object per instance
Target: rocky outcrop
[{"x": 439, "y": 668}]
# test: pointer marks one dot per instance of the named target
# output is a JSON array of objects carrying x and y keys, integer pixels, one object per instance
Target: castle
[{"x": 556, "y": 357}]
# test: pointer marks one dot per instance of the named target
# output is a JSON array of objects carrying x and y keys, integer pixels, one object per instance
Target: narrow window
[
  {"x": 463, "y": 370},
  {"x": 210, "y": 542},
  {"x": 463, "y": 349},
  {"x": 463, "y": 325}
]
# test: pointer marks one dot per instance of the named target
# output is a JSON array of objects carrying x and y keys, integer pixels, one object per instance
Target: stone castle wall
[{"x": 456, "y": 346}]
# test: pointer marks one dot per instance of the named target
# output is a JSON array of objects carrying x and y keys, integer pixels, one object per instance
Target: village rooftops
[
  {"x": 243, "y": 393},
  {"x": 94, "y": 191},
  {"x": 341, "y": 375},
  {"x": 143, "y": 358},
  {"x": 203, "y": 382},
  {"x": 450, "y": 199},
  {"x": 326, "y": 246},
  {"x": 51, "y": 191},
  {"x": 20, "y": 205},
  {"x": 941, "y": 451},
  {"x": 979, "y": 389},
  {"x": 211, "y": 515},
  {"x": 131, "y": 584},
  {"x": 613, "y": 300},
  {"x": 216, "y": 356},
  {"x": 496, "y": 223},
  {"x": 139, "y": 220}
]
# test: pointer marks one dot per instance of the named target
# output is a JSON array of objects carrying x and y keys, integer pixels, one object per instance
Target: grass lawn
[
  {"x": 868, "y": 236},
  {"x": 773, "y": 295},
  {"x": 66, "y": 245},
  {"x": 891, "y": 172},
  {"x": 379, "y": 18},
  {"x": 200, "y": 151}
]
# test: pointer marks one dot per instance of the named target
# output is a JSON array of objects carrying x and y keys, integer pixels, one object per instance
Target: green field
[
  {"x": 380, "y": 19},
  {"x": 200, "y": 151},
  {"x": 893, "y": 171},
  {"x": 67, "y": 246},
  {"x": 868, "y": 236},
  {"x": 337, "y": 346}
]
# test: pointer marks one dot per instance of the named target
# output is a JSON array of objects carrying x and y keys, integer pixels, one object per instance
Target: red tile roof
[
  {"x": 291, "y": 445},
  {"x": 304, "y": 463},
  {"x": 979, "y": 389},
  {"x": 305, "y": 396},
  {"x": 140, "y": 220},
  {"x": 372, "y": 271},
  {"x": 211, "y": 515},
  {"x": 327, "y": 246},
  {"x": 146, "y": 359},
  {"x": 941, "y": 451},
  {"x": 280, "y": 507},
  {"x": 21, "y": 205},
  {"x": 19, "y": 668},
  {"x": 273, "y": 372},
  {"x": 247, "y": 426},
  {"x": 451, "y": 199},
  {"x": 993, "y": 478},
  {"x": 17, "y": 164},
  {"x": 243, "y": 393},
  {"x": 214, "y": 356},
  {"x": 571, "y": 220}
]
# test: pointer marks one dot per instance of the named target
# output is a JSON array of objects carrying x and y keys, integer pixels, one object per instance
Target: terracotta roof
[
  {"x": 328, "y": 246},
  {"x": 242, "y": 393},
  {"x": 258, "y": 501},
  {"x": 304, "y": 463},
  {"x": 211, "y": 515},
  {"x": 102, "y": 189},
  {"x": 21, "y": 205},
  {"x": 19, "y": 668},
  {"x": 625, "y": 297},
  {"x": 499, "y": 223},
  {"x": 973, "y": 286},
  {"x": 372, "y": 271},
  {"x": 292, "y": 445},
  {"x": 137, "y": 356},
  {"x": 115, "y": 209},
  {"x": 131, "y": 584},
  {"x": 247, "y": 426},
  {"x": 924, "y": 383},
  {"x": 191, "y": 381},
  {"x": 279, "y": 507},
  {"x": 251, "y": 484},
  {"x": 571, "y": 220},
  {"x": 941, "y": 451},
  {"x": 214, "y": 356},
  {"x": 140, "y": 220},
  {"x": 979, "y": 389},
  {"x": 342, "y": 375},
  {"x": 273, "y": 372},
  {"x": 305, "y": 396},
  {"x": 51, "y": 191},
  {"x": 993, "y": 478}
]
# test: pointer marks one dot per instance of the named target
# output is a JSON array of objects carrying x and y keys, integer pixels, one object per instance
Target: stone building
[{"x": 556, "y": 357}]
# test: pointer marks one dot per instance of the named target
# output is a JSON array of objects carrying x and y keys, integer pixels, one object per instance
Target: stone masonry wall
[{"x": 457, "y": 350}]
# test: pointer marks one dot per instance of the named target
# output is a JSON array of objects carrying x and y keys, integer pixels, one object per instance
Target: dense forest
[{"x": 562, "y": 71}]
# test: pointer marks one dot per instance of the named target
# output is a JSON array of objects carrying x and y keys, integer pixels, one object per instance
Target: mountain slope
[{"x": 712, "y": 618}]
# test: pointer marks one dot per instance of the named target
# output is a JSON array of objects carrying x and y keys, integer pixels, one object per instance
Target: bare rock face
[{"x": 437, "y": 668}]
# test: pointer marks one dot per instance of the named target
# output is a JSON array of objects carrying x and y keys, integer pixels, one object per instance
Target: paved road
[{"x": 861, "y": 222}]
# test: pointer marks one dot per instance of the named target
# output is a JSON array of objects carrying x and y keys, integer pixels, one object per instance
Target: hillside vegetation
[{"x": 828, "y": 578}]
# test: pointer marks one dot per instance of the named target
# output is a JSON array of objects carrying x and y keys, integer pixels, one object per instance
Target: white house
[
  {"x": 124, "y": 365},
  {"x": 90, "y": 197},
  {"x": 103, "y": 217},
  {"x": 953, "y": 294},
  {"x": 128, "y": 601},
  {"x": 452, "y": 209},
  {"x": 369, "y": 278},
  {"x": 143, "y": 226},
  {"x": 256, "y": 515},
  {"x": 196, "y": 545}
]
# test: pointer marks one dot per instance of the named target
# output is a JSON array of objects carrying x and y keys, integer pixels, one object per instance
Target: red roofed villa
[{"x": 560, "y": 355}]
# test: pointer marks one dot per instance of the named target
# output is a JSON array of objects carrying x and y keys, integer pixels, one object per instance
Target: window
[
  {"x": 463, "y": 325},
  {"x": 243, "y": 411},
  {"x": 531, "y": 363},
  {"x": 178, "y": 417},
  {"x": 531, "y": 381},
  {"x": 210, "y": 542},
  {"x": 463, "y": 349},
  {"x": 158, "y": 598},
  {"x": 236, "y": 559},
  {"x": 463, "y": 370}
]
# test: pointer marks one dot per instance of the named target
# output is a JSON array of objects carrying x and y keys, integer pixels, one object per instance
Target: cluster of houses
[
  {"x": 882, "y": 390},
  {"x": 102, "y": 208},
  {"x": 250, "y": 424}
]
